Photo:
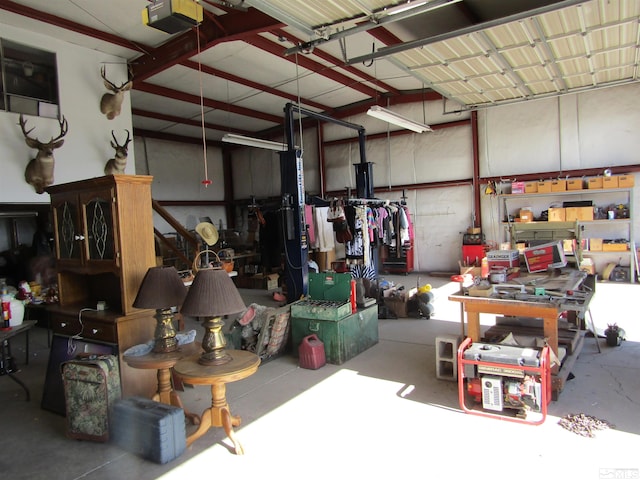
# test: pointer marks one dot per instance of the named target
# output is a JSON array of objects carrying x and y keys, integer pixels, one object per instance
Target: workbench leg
[{"x": 473, "y": 325}]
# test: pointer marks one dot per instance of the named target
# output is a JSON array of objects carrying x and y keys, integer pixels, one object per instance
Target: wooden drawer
[
  {"x": 89, "y": 329},
  {"x": 65, "y": 325},
  {"x": 104, "y": 332}
]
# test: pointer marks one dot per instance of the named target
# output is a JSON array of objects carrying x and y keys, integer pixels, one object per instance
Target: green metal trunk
[{"x": 344, "y": 338}]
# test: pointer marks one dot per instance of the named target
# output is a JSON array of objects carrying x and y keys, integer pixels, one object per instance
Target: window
[{"x": 28, "y": 80}]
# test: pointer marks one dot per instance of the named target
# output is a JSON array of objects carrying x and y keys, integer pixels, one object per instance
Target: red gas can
[{"x": 311, "y": 352}]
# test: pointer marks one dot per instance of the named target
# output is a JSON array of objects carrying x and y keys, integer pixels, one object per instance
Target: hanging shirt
[{"x": 323, "y": 229}]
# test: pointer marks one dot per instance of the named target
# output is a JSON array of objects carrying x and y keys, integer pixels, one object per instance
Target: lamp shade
[
  {"x": 161, "y": 287},
  {"x": 212, "y": 294}
]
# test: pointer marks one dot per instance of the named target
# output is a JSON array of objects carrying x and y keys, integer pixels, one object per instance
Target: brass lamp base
[
  {"x": 165, "y": 333},
  {"x": 213, "y": 343},
  {"x": 219, "y": 357}
]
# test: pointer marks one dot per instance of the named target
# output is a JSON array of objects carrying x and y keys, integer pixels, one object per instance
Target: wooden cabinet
[
  {"x": 104, "y": 239},
  {"x": 106, "y": 327},
  {"x": 104, "y": 246}
]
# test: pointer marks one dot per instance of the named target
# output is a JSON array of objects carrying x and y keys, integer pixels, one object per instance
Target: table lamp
[
  {"x": 211, "y": 296},
  {"x": 162, "y": 289}
]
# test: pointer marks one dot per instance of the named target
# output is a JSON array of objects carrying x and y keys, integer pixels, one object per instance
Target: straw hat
[{"x": 208, "y": 232}]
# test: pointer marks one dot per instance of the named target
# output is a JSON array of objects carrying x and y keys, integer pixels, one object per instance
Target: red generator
[{"x": 503, "y": 381}]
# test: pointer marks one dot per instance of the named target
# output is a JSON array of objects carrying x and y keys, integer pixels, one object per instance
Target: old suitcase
[
  {"x": 344, "y": 338},
  {"x": 91, "y": 387},
  {"x": 153, "y": 430}
]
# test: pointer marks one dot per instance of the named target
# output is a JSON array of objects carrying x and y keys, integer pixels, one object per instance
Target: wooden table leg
[
  {"x": 218, "y": 415},
  {"x": 550, "y": 329},
  {"x": 473, "y": 326},
  {"x": 176, "y": 402},
  {"x": 205, "y": 424},
  {"x": 167, "y": 395},
  {"x": 229, "y": 421}
]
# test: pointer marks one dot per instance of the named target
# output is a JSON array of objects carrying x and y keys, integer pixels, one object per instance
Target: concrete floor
[{"x": 382, "y": 413}]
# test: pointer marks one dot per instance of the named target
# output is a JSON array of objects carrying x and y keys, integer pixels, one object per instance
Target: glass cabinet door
[
  {"x": 67, "y": 233},
  {"x": 100, "y": 234}
]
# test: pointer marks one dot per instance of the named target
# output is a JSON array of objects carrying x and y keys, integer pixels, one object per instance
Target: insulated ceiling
[
  {"x": 342, "y": 56},
  {"x": 552, "y": 48}
]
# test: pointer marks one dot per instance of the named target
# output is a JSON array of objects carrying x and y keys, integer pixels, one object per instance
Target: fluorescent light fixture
[
  {"x": 405, "y": 7},
  {"x": 254, "y": 142},
  {"x": 391, "y": 117}
]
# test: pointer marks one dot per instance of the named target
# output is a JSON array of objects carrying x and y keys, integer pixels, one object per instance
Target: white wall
[
  {"x": 589, "y": 130},
  {"x": 86, "y": 146},
  {"x": 594, "y": 129}
]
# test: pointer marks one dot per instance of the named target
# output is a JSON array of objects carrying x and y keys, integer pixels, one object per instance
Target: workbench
[{"x": 567, "y": 296}]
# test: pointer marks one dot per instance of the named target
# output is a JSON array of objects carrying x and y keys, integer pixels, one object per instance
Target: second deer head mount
[
  {"x": 117, "y": 164},
  {"x": 111, "y": 103},
  {"x": 39, "y": 171}
]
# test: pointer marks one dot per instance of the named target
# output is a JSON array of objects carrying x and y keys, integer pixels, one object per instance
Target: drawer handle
[
  {"x": 79, "y": 237},
  {"x": 63, "y": 324},
  {"x": 94, "y": 330}
]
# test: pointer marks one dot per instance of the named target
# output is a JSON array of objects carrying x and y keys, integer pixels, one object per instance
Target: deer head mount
[
  {"x": 39, "y": 171},
  {"x": 117, "y": 164},
  {"x": 111, "y": 103}
]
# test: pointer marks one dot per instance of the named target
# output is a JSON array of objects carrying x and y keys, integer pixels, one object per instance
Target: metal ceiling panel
[
  {"x": 583, "y": 46},
  {"x": 316, "y": 15}
]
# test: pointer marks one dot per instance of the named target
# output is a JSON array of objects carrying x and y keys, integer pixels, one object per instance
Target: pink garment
[{"x": 308, "y": 218}]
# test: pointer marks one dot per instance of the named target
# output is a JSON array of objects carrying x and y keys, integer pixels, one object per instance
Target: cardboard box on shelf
[
  {"x": 568, "y": 245},
  {"x": 558, "y": 185},
  {"x": 557, "y": 214},
  {"x": 575, "y": 184},
  {"x": 544, "y": 187},
  {"x": 594, "y": 183},
  {"x": 526, "y": 216},
  {"x": 610, "y": 182},
  {"x": 595, "y": 244},
  {"x": 626, "y": 181},
  {"x": 579, "y": 213},
  {"x": 531, "y": 187},
  {"x": 615, "y": 247}
]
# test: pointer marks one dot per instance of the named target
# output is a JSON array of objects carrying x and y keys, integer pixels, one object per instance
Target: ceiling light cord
[
  {"x": 206, "y": 182},
  {"x": 299, "y": 103}
]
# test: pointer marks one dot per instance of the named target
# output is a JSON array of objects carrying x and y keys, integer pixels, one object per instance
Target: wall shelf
[{"x": 580, "y": 230}]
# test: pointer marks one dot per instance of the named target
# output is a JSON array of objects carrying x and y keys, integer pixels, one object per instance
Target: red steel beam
[
  {"x": 340, "y": 63},
  {"x": 305, "y": 62},
  {"x": 187, "y": 97},
  {"x": 187, "y": 121},
  {"x": 226, "y": 28},
  {"x": 250, "y": 83}
]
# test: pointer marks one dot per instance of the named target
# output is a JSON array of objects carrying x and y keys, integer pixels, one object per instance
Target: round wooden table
[
  {"x": 242, "y": 365},
  {"x": 164, "y": 362}
]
